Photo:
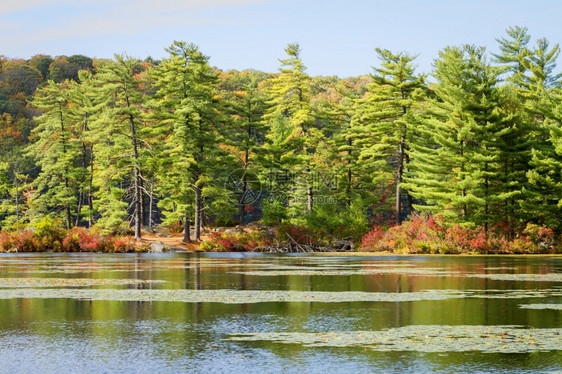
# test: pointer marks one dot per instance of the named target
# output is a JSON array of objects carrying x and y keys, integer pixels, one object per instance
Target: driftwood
[{"x": 293, "y": 246}]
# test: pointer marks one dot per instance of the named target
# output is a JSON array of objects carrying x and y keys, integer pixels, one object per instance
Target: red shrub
[
  {"x": 71, "y": 242},
  {"x": 370, "y": 239},
  {"x": 26, "y": 241},
  {"x": 122, "y": 244}
]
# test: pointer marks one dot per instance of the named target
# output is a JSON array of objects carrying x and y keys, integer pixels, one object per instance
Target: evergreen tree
[
  {"x": 120, "y": 147},
  {"x": 512, "y": 54},
  {"x": 382, "y": 129},
  {"x": 544, "y": 203},
  {"x": 56, "y": 150},
  {"x": 246, "y": 134},
  {"x": 85, "y": 106},
  {"x": 187, "y": 111},
  {"x": 293, "y": 139},
  {"x": 470, "y": 169}
]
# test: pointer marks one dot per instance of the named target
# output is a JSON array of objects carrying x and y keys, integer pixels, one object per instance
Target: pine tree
[
  {"x": 187, "y": 110},
  {"x": 461, "y": 171},
  {"x": 353, "y": 176},
  {"x": 56, "y": 150},
  {"x": 293, "y": 138},
  {"x": 535, "y": 154},
  {"x": 382, "y": 129},
  {"x": 85, "y": 106},
  {"x": 120, "y": 147},
  {"x": 512, "y": 54},
  {"x": 544, "y": 204},
  {"x": 246, "y": 106}
]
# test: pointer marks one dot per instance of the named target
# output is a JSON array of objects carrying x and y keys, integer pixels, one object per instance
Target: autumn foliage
[
  {"x": 432, "y": 235},
  {"x": 47, "y": 235}
]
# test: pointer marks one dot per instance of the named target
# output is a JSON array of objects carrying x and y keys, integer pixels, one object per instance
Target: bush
[
  {"x": 123, "y": 244},
  {"x": 25, "y": 241},
  {"x": 431, "y": 235},
  {"x": 47, "y": 236},
  {"x": 235, "y": 242},
  {"x": 328, "y": 221}
]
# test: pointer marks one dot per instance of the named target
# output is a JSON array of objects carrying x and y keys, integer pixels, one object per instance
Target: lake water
[{"x": 168, "y": 313}]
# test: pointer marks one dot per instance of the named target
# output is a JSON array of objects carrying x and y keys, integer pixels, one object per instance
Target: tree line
[{"x": 122, "y": 143}]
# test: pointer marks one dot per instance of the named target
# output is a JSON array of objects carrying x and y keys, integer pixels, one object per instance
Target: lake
[{"x": 261, "y": 313}]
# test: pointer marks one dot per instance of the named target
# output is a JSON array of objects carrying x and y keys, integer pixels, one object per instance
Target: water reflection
[{"x": 70, "y": 335}]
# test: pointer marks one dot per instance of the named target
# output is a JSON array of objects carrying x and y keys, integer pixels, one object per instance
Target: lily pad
[
  {"x": 68, "y": 282},
  {"x": 541, "y": 306},
  {"x": 420, "y": 338},
  {"x": 228, "y": 296}
]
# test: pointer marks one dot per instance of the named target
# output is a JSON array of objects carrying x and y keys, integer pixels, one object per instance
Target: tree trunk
[
  {"x": 79, "y": 209},
  {"x": 349, "y": 173},
  {"x": 310, "y": 198},
  {"x": 242, "y": 208},
  {"x": 151, "y": 202},
  {"x": 463, "y": 191},
  {"x": 137, "y": 173},
  {"x": 137, "y": 179},
  {"x": 16, "y": 182},
  {"x": 197, "y": 222},
  {"x": 242, "y": 205},
  {"x": 137, "y": 210},
  {"x": 399, "y": 180},
  {"x": 67, "y": 209},
  {"x": 186, "y": 233},
  {"x": 91, "y": 190},
  {"x": 142, "y": 205}
]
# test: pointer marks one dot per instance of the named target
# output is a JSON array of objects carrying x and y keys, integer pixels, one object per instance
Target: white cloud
[
  {"x": 98, "y": 18},
  {"x": 148, "y": 6}
]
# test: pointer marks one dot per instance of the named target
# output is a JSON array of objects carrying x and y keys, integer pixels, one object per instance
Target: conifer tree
[
  {"x": 544, "y": 202},
  {"x": 538, "y": 97},
  {"x": 383, "y": 116},
  {"x": 84, "y": 109},
  {"x": 464, "y": 169},
  {"x": 120, "y": 147},
  {"x": 353, "y": 179},
  {"x": 293, "y": 138},
  {"x": 246, "y": 134},
  {"x": 513, "y": 50},
  {"x": 56, "y": 150},
  {"x": 187, "y": 111}
]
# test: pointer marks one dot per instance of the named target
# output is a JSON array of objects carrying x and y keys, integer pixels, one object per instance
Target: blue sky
[{"x": 337, "y": 37}]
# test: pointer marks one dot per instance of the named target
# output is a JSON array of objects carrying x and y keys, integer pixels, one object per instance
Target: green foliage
[
  {"x": 332, "y": 221},
  {"x": 273, "y": 212}
]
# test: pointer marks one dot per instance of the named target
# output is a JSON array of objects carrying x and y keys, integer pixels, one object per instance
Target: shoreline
[{"x": 178, "y": 250}]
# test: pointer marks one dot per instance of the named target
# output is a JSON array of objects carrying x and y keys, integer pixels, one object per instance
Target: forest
[{"x": 469, "y": 156}]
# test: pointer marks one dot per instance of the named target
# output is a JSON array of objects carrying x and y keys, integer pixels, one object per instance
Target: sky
[{"x": 337, "y": 37}]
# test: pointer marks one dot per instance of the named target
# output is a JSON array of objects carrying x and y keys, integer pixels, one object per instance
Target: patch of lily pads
[
  {"x": 328, "y": 272},
  {"x": 541, "y": 306},
  {"x": 68, "y": 282},
  {"x": 424, "y": 338},
  {"x": 229, "y": 296},
  {"x": 432, "y": 272},
  {"x": 549, "y": 277}
]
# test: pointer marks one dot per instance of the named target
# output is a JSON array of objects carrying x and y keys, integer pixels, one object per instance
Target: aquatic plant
[{"x": 423, "y": 338}]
